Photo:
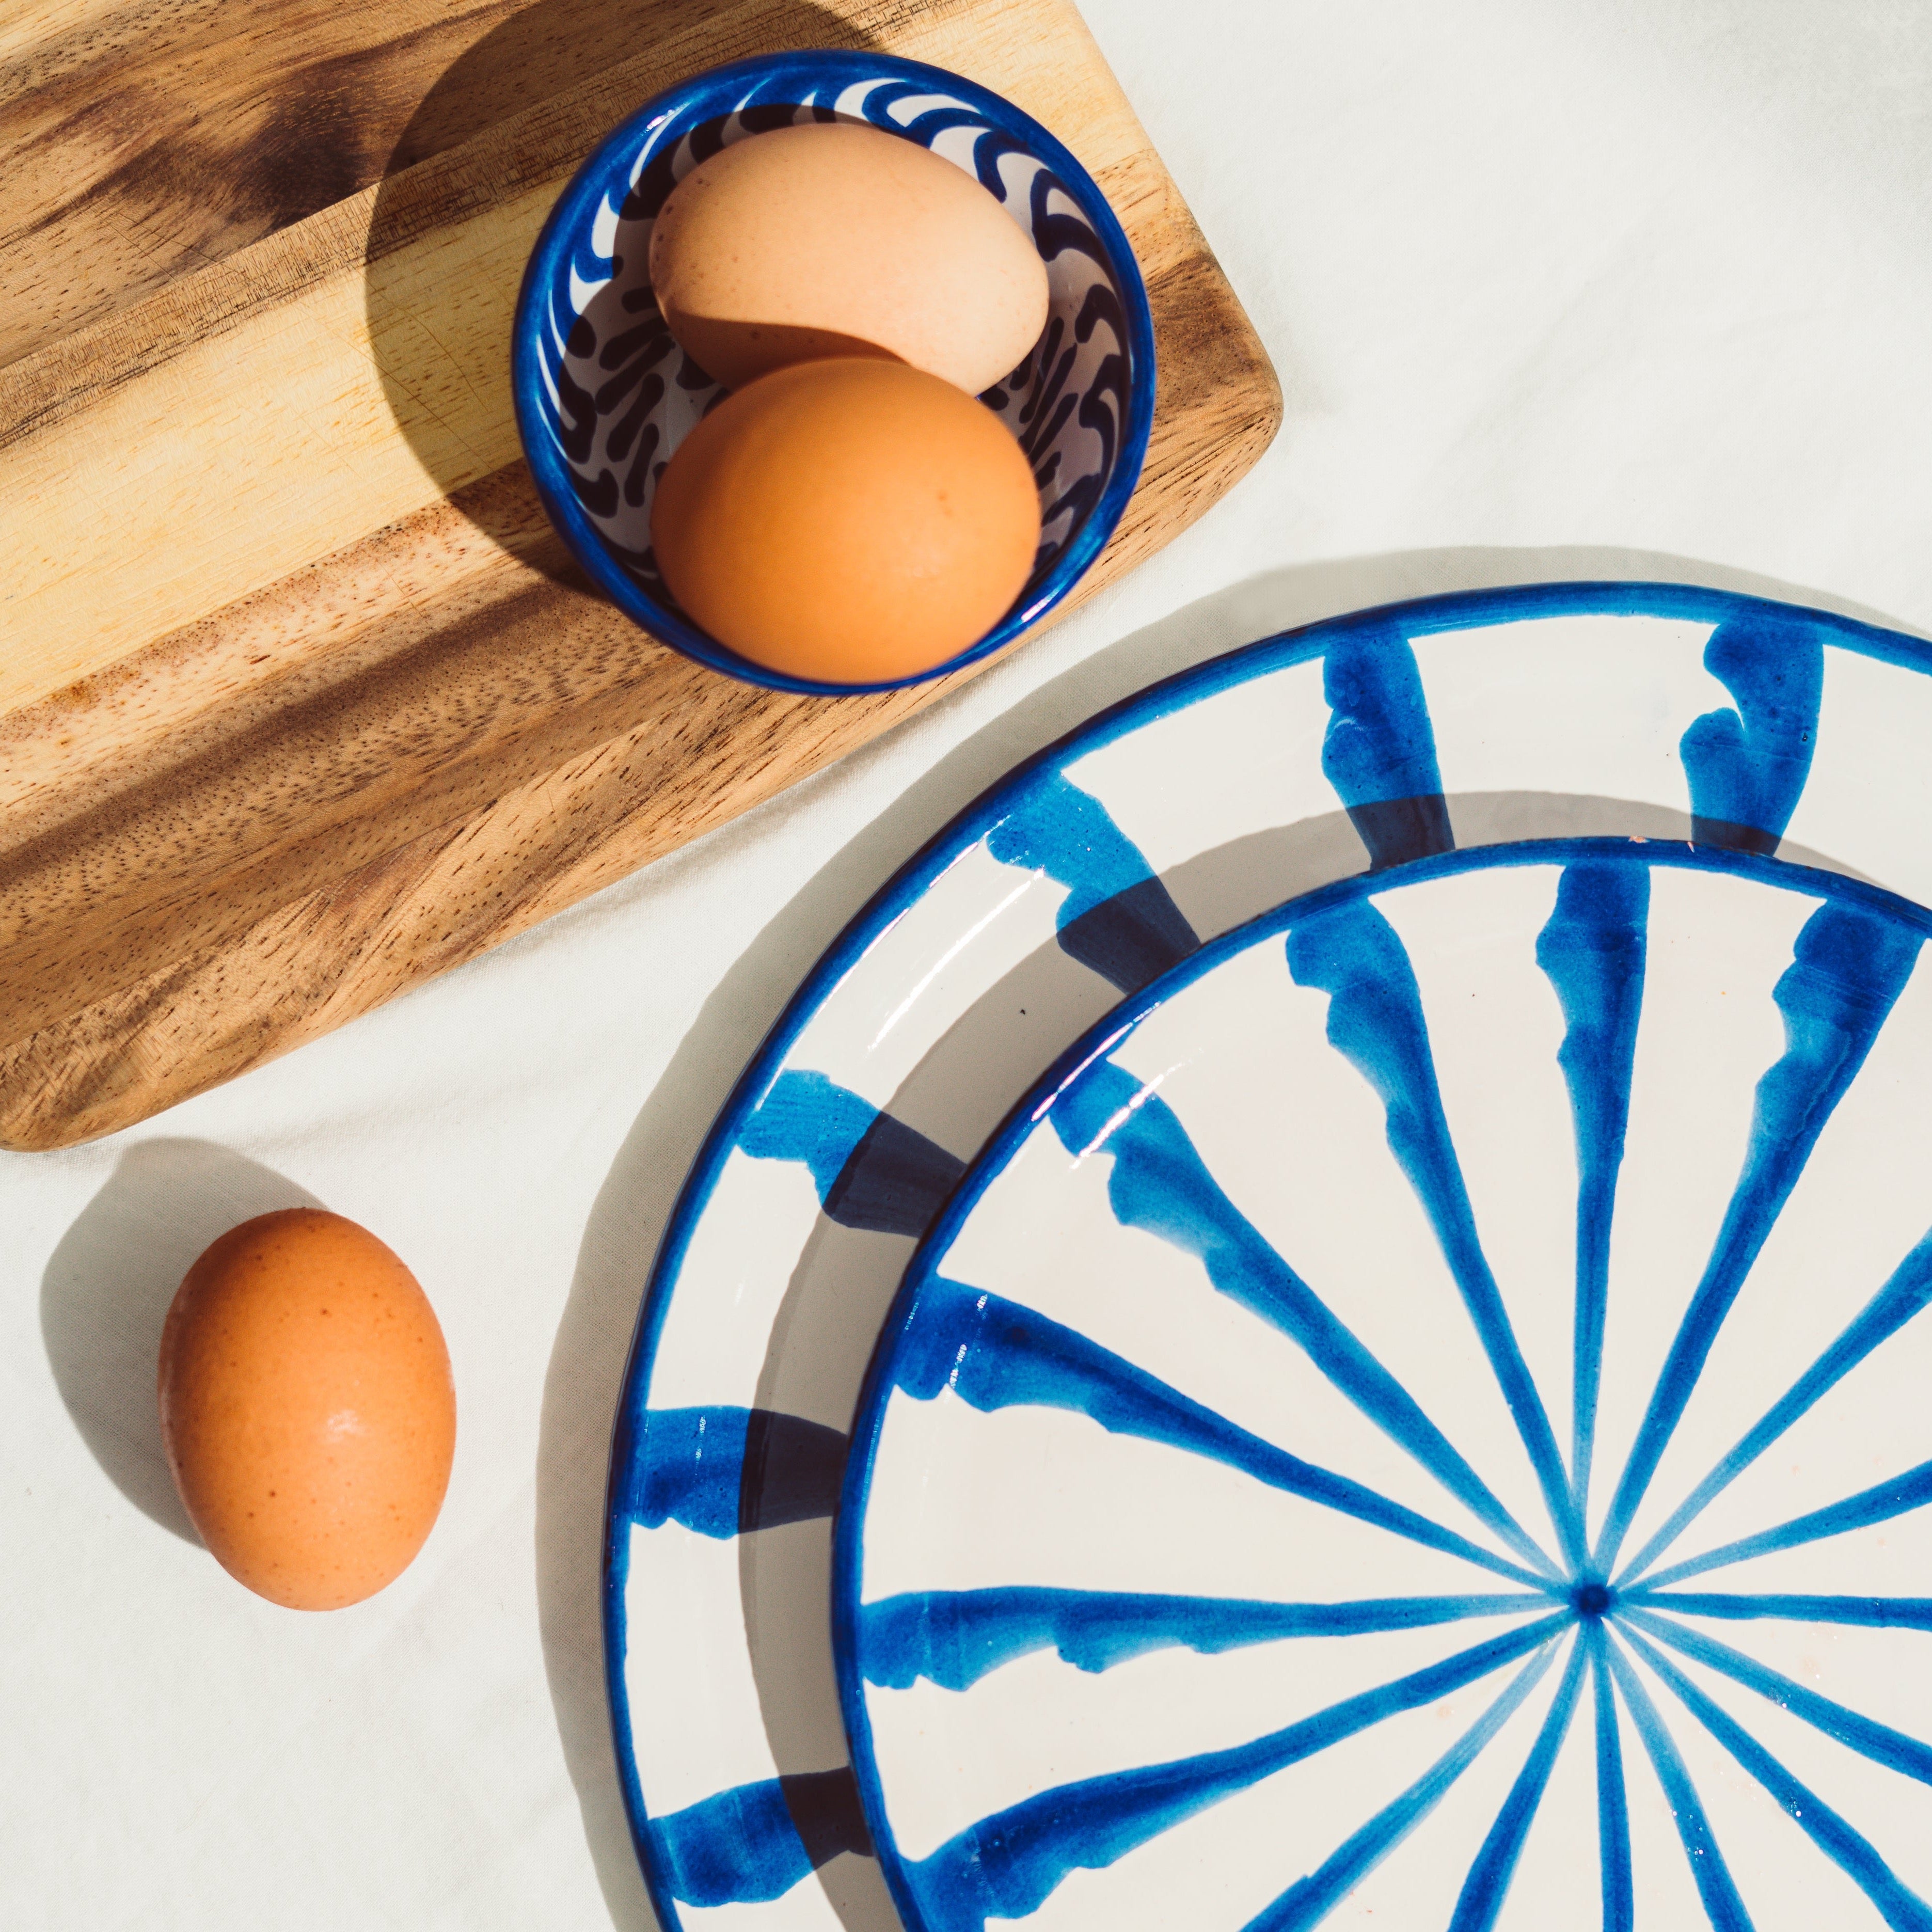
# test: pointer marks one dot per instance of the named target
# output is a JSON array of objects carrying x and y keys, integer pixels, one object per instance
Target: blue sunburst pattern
[
  {"x": 1361, "y": 749},
  {"x": 1278, "y": 1492}
]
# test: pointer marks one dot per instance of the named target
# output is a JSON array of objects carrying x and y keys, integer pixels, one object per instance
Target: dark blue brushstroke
[
  {"x": 1883, "y": 1745},
  {"x": 723, "y": 1471},
  {"x": 956, "y": 1637},
  {"x": 1007, "y": 1865},
  {"x": 1897, "y": 1495},
  {"x": 1379, "y": 751},
  {"x": 805, "y": 1116},
  {"x": 1746, "y": 768},
  {"x": 1903, "y": 1295},
  {"x": 1160, "y": 1184},
  {"x": 1117, "y": 918},
  {"x": 1351, "y": 952},
  {"x": 1487, "y": 1885},
  {"x": 1849, "y": 1850},
  {"x": 871, "y": 1171},
  {"x": 1613, "y": 1801},
  {"x": 1866, "y": 1613},
  {"x": 993, "y": 1355},
  {"x": 1132, "y": 938},
  {"x": 793, "y": 1471},
  {"x": 1715, "y": 1887},
  {"x": 1309, "y": 1901},
  {"x": 691, "y": 1470},
  {"x": 753, "y": 1843},
  {"x": 895, "y": 1181},
  {"x": 1592, "y": 952},
  {"x": 1848, "y": 969}
]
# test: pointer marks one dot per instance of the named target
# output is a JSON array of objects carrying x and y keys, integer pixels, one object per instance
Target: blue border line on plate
[
  {"x": 1420, "y": 617},
  {"x": 848, "y": 1536}
]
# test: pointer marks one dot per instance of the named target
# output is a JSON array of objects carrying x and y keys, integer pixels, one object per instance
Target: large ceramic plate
[
  {"x": 1385, "y": 738},
  {"x": 1421, "y": 1421}
]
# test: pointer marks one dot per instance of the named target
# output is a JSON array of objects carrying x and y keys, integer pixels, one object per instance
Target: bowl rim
[{"x": 697, "y": 98}]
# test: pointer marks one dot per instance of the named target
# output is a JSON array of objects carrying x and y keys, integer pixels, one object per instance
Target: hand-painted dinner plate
[
  {"x": 1382, "y": 740},
  {"x": 1419, "y": 1420}
]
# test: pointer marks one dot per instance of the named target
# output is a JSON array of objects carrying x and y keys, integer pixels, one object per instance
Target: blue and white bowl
[{"x": 604, "y": 395}]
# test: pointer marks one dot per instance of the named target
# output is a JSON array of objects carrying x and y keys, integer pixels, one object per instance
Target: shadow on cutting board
[
  {"x": 453, "y": 223},
  {"x": 583, "y": 1382},
  {"x": 106, "y": 1288}
]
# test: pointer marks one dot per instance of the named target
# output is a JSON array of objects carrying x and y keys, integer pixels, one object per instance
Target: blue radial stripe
[
  {"x": 993, "y": 1354},
  {"x": 1852, "y": 1853},
  {"x": 870, "y": 1171},
  {"x": 1055, "y": 827},
  {"x": 1309, "y": 1901},
  {"x": 1379, "y": 750},
  {"x": 1375, "y": 1021},
  {"x": 1898, "y": 1495},
  {"x": 1722, "y": 1906},
  {"x": 1613, "y": 1801},
  {"x": 721, "y": 1471},
  {"x": 1870, "y": 1612},
  {"x": 1902, "y": 1297},
  {"x": 956, "y": 1637},
  {"x": 1746, "y": 768},
  {"x": 806, "y": 1118},
  {"x": 1866, "y": 1735},
  {"x": 753, "y": 1843},
  {"x": 1484, "y": 1890},
  {"x": 740, "y": 1845},
  {"x": 1848, "y": 969},
  {"x": 1592, "y": 951},
  {"x": 1160, "y": 1185},
  {"x": 1007, "y": 1865}
]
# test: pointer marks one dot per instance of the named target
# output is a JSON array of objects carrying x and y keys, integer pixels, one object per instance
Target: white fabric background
[{"x": 1556, "y": 288}]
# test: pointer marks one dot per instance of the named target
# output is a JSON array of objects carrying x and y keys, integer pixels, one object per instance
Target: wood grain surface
[{"x": 301, "y": 700}]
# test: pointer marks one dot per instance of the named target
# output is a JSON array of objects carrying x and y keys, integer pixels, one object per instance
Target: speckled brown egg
[
  {"x": 833, "y": 238},
  {"x": 851, "y": 521},
  {"x": 307, "y": 1407}
]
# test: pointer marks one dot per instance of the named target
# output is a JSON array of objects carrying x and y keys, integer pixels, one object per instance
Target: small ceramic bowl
[{"x": 604, "y": 395}]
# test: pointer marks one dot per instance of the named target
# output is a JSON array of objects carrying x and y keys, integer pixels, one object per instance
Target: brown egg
[
  {"x": 851, "y": 521},
  {"x": 833, "y": 239},
  {"x": 307, "y": 1408}
]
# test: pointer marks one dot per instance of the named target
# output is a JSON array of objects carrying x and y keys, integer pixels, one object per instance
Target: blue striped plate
[
  {"x": 1420, "y": 1418},
  {"x": 1381, "y": 741}
]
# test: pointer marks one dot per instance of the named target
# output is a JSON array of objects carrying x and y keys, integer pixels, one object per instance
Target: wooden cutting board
[{"x": 301, "y": 701}]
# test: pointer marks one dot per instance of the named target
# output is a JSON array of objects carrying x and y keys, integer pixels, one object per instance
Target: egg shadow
[
  {"x": 531, "y": 98},
  {"x": 105, "y": 1291},
  {"x": 584, "y": 1377}
]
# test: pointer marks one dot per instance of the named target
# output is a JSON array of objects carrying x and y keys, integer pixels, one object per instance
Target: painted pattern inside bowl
[{"x": 605, "y": 395}]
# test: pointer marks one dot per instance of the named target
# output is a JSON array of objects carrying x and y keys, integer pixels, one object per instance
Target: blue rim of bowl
[
  {"x": 718, "y": 90},
  {"x": 1455, "y": 611},
  {"x": 997, "y": 1154}
]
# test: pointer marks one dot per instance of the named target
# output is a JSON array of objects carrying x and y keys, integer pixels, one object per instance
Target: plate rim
[
  {"x": 1018, "y": 1125},
  {"x": 1423, "y": 616}
]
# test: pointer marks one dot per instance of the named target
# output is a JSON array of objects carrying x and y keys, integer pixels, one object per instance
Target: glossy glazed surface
[
  {"x": 1379, "y": 740},
  {"x": 1277, "y": 1492}
]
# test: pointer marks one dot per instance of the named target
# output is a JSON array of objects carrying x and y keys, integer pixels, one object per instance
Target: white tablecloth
[{"x": 1556, "y": 289}]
